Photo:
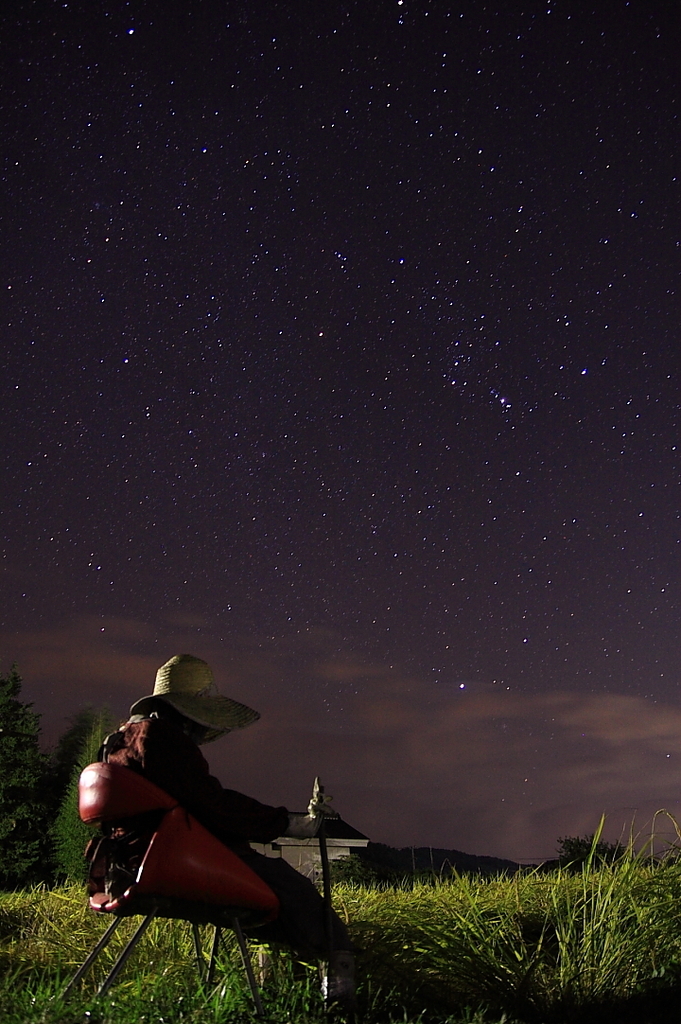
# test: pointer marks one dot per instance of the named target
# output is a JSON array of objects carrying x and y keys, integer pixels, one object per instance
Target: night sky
[{"x": 340, "y": 347}]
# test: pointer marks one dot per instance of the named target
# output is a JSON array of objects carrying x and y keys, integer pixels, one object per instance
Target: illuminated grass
[{"x": 540, "y": 948}]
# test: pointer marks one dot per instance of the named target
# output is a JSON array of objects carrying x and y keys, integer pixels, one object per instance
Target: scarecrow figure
[{"x": 161, "y": 741}]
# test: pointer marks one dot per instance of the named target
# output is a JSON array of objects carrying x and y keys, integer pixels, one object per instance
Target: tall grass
[
  {"x": 541, "y": 947},
  {"x": 603, "y": 944},
  {"x": 46, "y": 934}
]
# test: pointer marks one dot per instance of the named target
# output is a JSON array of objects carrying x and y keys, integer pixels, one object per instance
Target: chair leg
[
  {"x": 120, "y": 963},
  {"x": 200, "y": 962},
  {"x": 103, "y": 942},
  {"x": 213, "y": 956},
  {"x": 236, "y": 925}
]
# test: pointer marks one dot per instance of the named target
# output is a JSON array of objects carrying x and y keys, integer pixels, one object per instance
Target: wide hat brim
[{"x": 219, "y": 714}]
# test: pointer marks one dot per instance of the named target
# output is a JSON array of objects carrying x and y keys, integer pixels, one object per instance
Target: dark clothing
[
  {"x": 159, "y": 750},
  {"x": 300, "y": 923}
]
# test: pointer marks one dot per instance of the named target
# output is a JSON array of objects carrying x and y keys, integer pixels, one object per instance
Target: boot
[{"x": 338, "y": 986}]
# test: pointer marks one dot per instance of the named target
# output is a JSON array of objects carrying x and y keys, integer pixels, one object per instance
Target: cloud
[
  {"x": 483, "y": 769},
  {"x": 490, "y": 772}
]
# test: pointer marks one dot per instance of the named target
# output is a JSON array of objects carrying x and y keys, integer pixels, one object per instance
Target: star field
[{"x": 347, "y": 321}]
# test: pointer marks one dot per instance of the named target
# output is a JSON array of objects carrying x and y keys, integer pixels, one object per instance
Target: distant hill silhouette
[{"x": 408, "y": 860}]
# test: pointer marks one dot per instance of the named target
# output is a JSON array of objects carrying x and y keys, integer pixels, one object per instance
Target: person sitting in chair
[{"x": 161, "y": 741}]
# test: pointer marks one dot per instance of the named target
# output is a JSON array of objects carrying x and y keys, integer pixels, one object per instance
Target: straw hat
[{"x": 186, "y": 683}]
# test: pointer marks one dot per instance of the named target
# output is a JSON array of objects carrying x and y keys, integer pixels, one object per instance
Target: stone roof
[{"x": 336, "y": 828}]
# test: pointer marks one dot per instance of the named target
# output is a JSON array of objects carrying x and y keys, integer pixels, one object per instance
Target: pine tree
[
  {"x": 69, "y": 752},
  {"x": 24, "y": 790},
  {"x": 70, "y": 835}
]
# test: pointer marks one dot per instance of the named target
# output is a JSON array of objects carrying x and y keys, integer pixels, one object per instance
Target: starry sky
[{"x": 340, "y": 348}]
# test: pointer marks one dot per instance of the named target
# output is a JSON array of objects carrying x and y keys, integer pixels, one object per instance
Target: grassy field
[{"x": 535, "y": 949}]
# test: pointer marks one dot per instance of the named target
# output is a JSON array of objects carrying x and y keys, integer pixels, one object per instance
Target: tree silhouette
[
  {"x": 79, "y": 746},
  {"x": 24, "y": 790},
  {"x": 574, "y": 851}
]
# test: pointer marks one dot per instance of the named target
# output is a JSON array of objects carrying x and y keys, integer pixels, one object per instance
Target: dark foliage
[
  {"x": 574, "y": 851},
  {"x": 433, "y": 860},
  {"x": 77, "y": 748},
  {"x": 358, "y": 871},
  {"x": 68, "y": 752},
  {"x": 379, "y": 864},
  {"x": 25, "y": 791}
]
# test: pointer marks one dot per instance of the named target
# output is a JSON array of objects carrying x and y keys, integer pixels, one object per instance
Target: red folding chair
[{"x": 155, "y": 859}]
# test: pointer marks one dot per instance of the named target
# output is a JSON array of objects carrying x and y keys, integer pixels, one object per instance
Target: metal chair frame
[
  {"x": 207, "y": 972},
  {"x": 228, "y": 894}
]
